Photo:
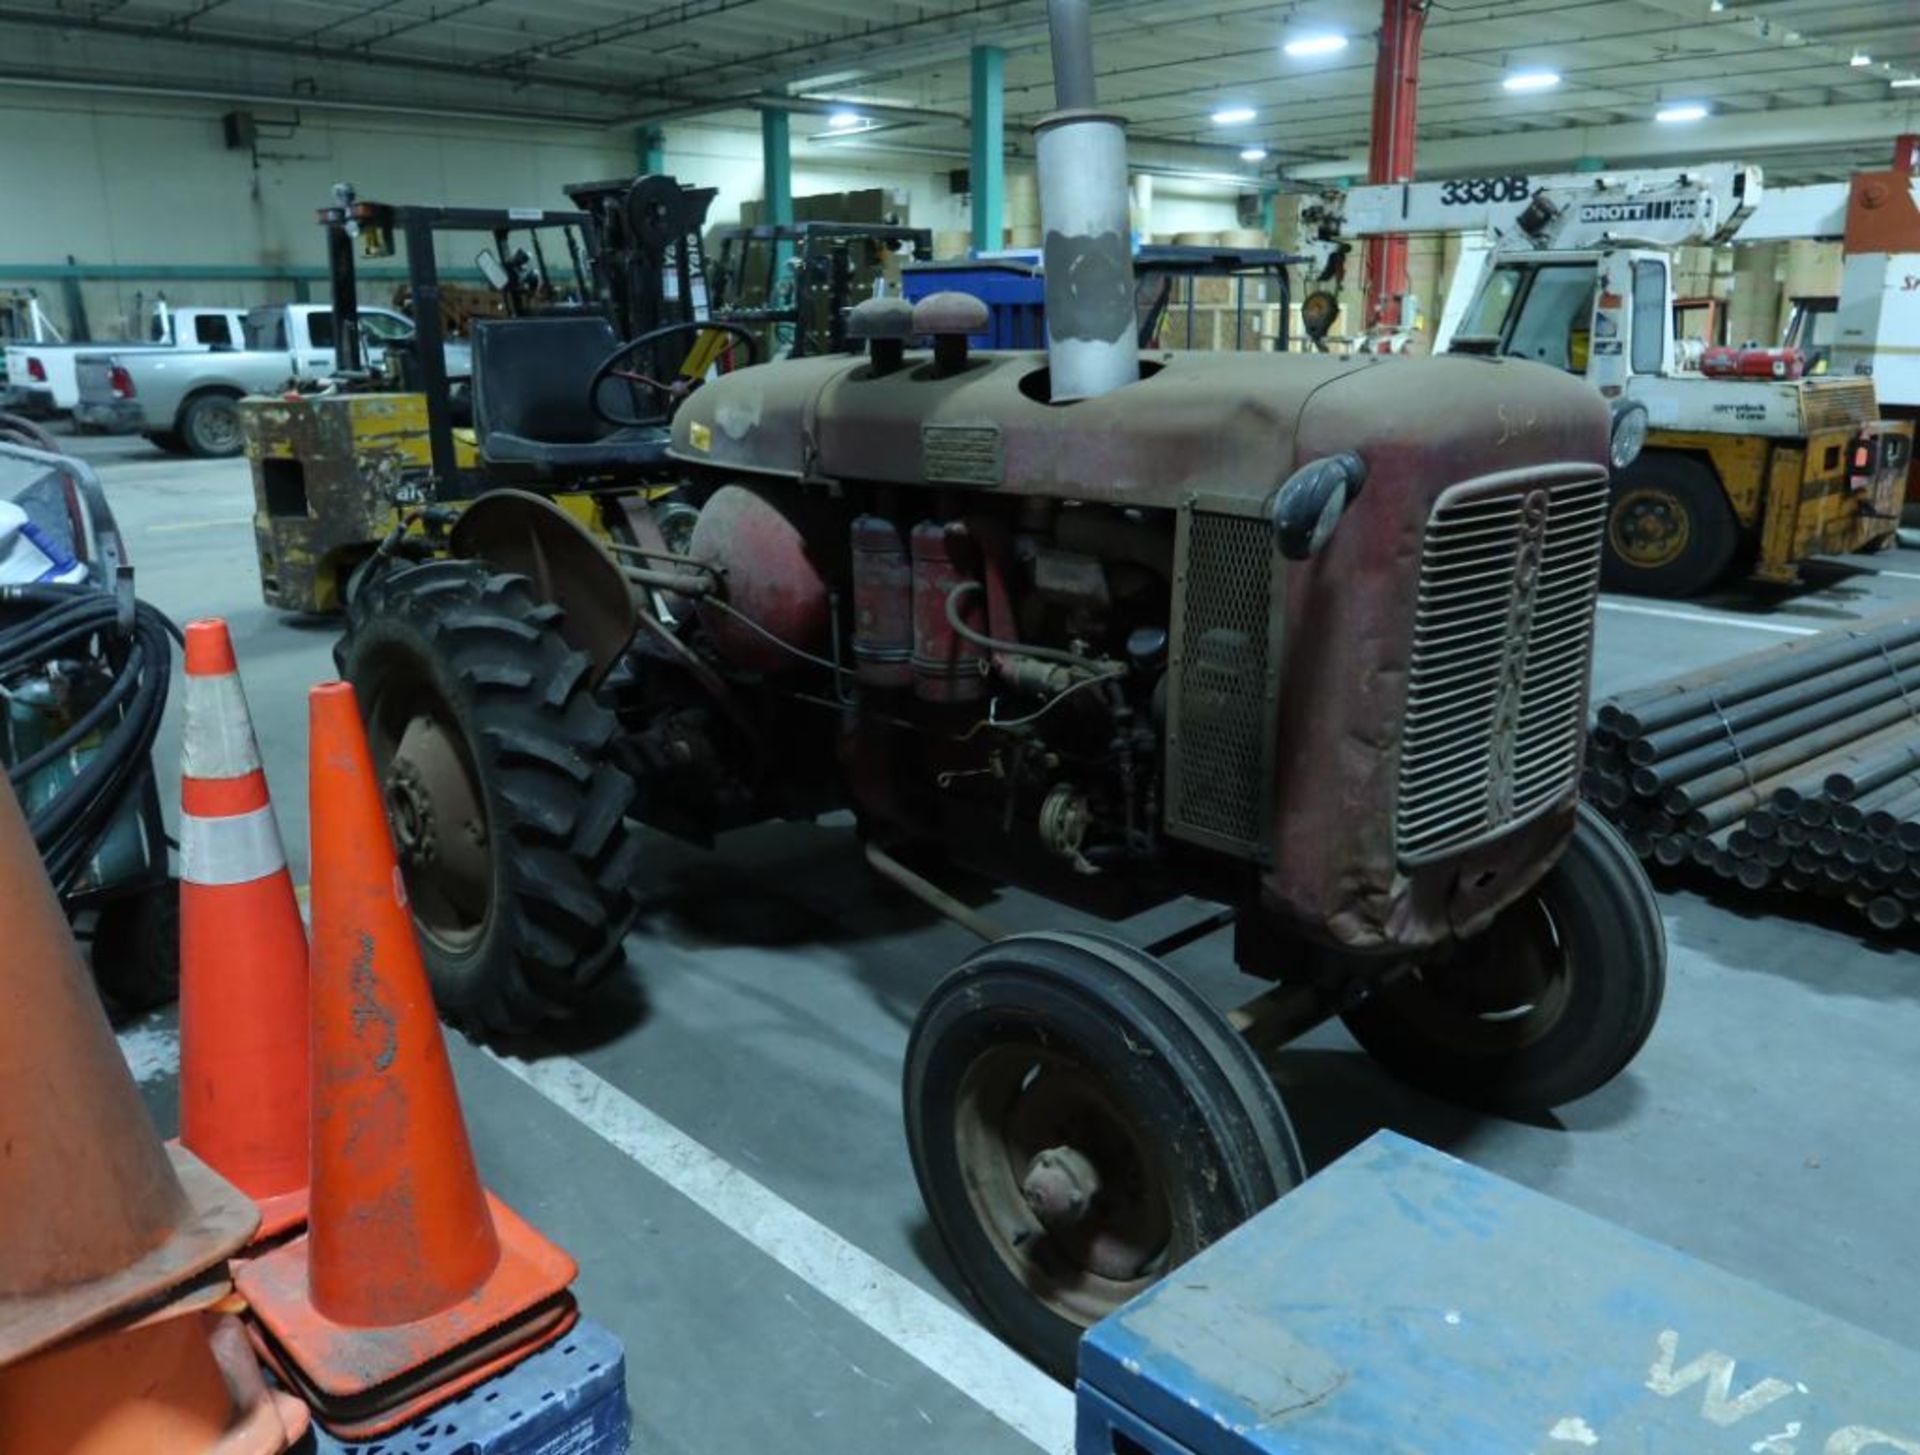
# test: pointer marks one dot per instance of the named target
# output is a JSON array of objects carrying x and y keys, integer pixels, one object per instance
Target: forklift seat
[{"x": 531, "y": 417}]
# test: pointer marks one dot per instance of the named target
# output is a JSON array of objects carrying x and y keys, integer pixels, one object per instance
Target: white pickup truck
[
  {"x": 43, "y": 379},
  {"x": 189, "y": 403}
]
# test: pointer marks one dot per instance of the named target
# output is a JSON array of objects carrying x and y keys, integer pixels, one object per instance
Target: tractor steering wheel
[{"x": 671, "y": 390}]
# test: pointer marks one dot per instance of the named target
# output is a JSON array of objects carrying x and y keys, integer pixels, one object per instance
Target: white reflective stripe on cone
[
  {"x": 217, "y": 737},
  {"x": 233, "y": 850}
]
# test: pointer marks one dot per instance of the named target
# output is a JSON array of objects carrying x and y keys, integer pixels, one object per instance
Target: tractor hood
[{"x": 1197, "y": 423}]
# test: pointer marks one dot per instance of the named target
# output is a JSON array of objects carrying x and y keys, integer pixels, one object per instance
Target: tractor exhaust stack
[{"x": 1082, "y": 160}]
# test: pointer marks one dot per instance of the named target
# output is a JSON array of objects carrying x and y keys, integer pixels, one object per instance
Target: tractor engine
[{"x": 1001, "y": 666}]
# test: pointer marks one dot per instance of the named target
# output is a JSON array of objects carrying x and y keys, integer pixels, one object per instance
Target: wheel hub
[
  {"x": 439, "y": 826},
  {"x": 410, "y": 811},
  {"x": 1650, "y": 528},
  {"x": 1060, "y": 1185},
  {"x": 1504, "y": 989}
]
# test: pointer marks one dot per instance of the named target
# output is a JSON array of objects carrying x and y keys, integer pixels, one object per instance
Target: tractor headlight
[
  {"x": 1305, "y": 510},
  {"x": 1629, "y": 433}
]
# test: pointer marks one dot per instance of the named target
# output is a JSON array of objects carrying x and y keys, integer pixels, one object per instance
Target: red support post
[
  {"x": 1906, "y": 152},
  {"x": 1396, "y": 103}
]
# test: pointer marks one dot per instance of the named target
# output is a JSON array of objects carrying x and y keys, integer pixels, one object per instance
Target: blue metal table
[{"x": 1403, "y": 1301}]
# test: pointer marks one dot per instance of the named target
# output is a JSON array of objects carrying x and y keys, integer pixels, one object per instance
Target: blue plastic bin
[{"x": 1015, "y": 298}]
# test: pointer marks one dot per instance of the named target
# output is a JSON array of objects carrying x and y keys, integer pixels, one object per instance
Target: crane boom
[{"x": 1671, "y": 207}]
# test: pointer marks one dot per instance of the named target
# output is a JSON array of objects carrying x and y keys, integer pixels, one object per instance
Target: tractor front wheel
[
  {"x": 509, "y": 817},
  {"x": 1081, "y": 1122},
  {"x": 1547, "y": 1004}
]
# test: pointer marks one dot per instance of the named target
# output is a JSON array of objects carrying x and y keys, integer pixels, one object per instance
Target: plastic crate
[
  {"x": 1013, "y": 292},
  {"x": 569, "y": 1399}
]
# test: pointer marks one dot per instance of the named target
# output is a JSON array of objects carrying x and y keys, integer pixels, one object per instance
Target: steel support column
[
  {"x": 987, "y": 177},
  {"x": 1396, "y": 102},
  {"x": 650, "y": 150},
  {"x": 1906, "y": 152},
  {"x": 776, "y": 148}
]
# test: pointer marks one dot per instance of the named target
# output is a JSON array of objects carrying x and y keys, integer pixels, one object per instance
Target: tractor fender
[{"x": 530, "y": 536}]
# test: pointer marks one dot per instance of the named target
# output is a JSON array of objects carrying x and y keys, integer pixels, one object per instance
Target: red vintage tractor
[{"x": 1307, "y": 637}]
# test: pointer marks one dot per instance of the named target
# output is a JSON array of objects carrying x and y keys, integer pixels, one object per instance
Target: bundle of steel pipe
[{"x": 1797, "y": 766}]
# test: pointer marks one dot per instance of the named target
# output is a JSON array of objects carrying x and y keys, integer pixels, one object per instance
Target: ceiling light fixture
[
  {"x": 1325, "y": 43},
  {"x": 1905, "y": 81},
  {"x": 1233, "y": 115},
  {"x": 1681, "y": 111},
  {"x": 844, "y": 120},
  {"x": 1540, "y": 80},
  {"x": 1860, "y": 60},
  {"x": 1717, "y": 6},
  {"x": 1254, "y": 154}
]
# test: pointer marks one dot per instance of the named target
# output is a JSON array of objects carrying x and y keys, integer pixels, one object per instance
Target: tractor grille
[
  {"x": 1497, "y": 684},
  {"x": 1222, "y": 695},
  {"x": 1834, "y": 403}
]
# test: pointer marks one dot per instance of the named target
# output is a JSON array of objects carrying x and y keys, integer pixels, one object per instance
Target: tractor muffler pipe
[{"x": 1081, "y": 155}]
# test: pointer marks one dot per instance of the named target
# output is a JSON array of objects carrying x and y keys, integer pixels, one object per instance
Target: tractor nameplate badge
[{"x": 963, "y": 454}]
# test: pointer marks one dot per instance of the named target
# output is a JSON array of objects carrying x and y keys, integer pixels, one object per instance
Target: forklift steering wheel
[{"x": 672, "y": 391}]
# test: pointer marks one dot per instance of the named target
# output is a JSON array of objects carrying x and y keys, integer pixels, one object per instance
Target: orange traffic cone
[
  {"x": 412, "y": 1281},
  {"x": 178, "y": 1383},
  {"x": 96, "y": 1215},
  {"x": 243, "y": 952}
]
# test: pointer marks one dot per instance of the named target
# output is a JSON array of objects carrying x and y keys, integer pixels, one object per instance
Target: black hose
[{"x": 80, "y": 621}]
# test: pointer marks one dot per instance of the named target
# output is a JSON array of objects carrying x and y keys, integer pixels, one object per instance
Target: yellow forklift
[{"x": 566, "y": 394}]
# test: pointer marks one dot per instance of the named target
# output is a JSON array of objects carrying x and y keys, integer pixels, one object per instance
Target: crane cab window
[
  {"x": 1538, "y": 311},
  {"x": 1649, "y": 318}
]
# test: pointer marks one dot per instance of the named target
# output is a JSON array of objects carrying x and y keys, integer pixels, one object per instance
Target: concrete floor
[{"x": 1766, "y": 1128}]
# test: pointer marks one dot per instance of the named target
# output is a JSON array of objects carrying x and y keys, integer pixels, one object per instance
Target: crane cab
[{"x": 1756, "y": 470}]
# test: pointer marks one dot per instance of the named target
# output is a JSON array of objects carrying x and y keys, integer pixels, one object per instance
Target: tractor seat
[{"x": 531, "y": 418}]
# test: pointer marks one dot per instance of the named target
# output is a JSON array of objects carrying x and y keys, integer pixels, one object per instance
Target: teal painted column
[
  {"x": 988, "y": 173},
  {"x": 650, "y": 150},
  {"x": 776, "y": 148}
]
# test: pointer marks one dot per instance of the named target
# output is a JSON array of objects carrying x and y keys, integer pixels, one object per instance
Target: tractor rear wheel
[
  {"x": 1081, "y": 1122},
  {"x": 1547, "y": 1004},
  {"x": 508, "y": 814}
]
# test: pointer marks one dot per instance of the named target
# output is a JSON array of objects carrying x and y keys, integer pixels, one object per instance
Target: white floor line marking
[
  {"x": 159, "y": 530},
  {"x": 1701, "y": 616},
  {"x": 1897, "y": 575},
  {"x": 938, "y": 1336}
]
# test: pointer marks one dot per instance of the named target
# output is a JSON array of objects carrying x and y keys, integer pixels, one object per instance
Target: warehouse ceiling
[{"x": 1805, "y": 87}]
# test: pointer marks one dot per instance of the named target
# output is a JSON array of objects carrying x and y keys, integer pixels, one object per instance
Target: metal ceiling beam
[
  {"x": 810, "y": 105},
  {"x": 69, "y": 22},
  {"x": 1746, "y": 135},
  {"x": 101, "y": 85},
  {"x": 683, "y": 13}
]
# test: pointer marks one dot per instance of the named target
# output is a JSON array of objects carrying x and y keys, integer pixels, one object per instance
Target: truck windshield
[
  {"x": 385, "y": 327},
  {"x": 1539, "y": 311}
]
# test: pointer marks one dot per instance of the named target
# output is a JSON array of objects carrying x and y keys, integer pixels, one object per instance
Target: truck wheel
[
  {"x": 209, "y": 426},
  {"x": 1670, "y": 530},
  {"x": 136, "y": 948},
  {"x": 1548, "y": 1004},
  {"x": 509, "y": 818},
  {"x": 1080, "y": 1122}
]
